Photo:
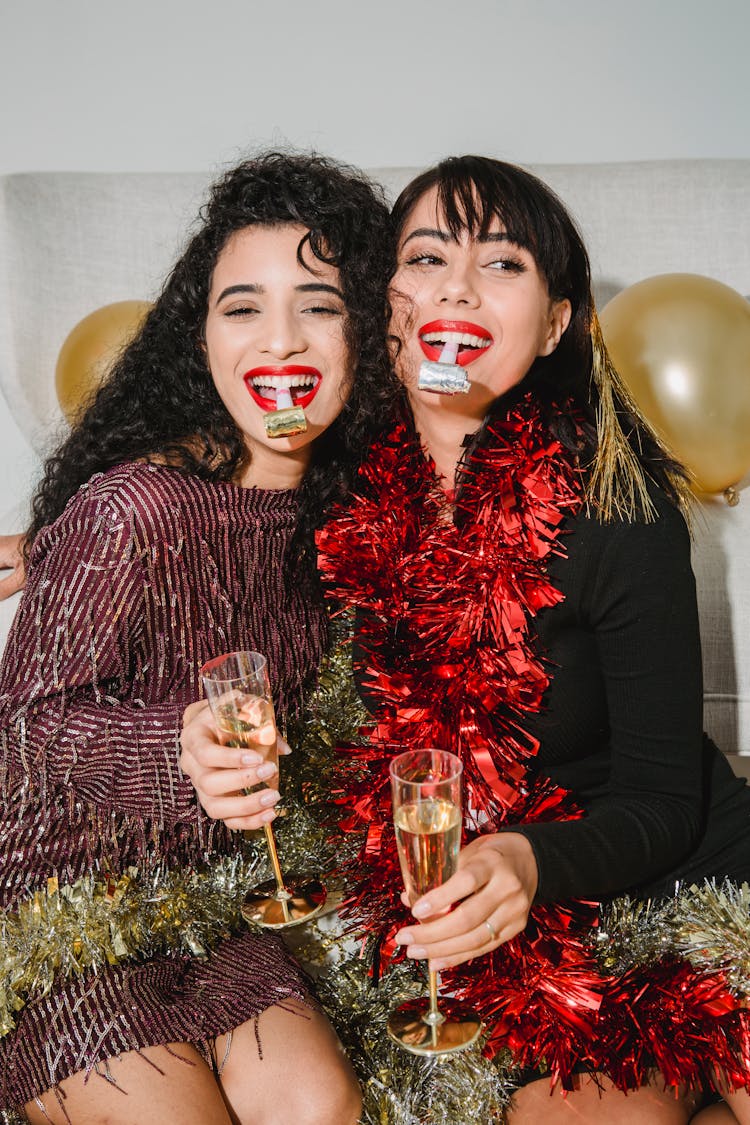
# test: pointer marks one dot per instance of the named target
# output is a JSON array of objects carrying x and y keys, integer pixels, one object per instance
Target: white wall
[{"x": 183, "y": 84}]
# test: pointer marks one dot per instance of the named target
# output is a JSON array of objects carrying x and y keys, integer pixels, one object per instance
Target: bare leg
[
  {"x": 714, "y": 1115},
  {"x": 150, "y": 1087},
  {"x": 303, "y": 1075},
  {"x": 735, "y": 1108},
  {"x": 650, "y": 1105}
]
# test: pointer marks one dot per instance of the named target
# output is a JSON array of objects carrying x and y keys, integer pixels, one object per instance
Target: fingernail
[
  {"x": 250, "y": 759},
  {"x": 268, "y": 816},
  {"x": 269, "y": 798},
  {"x": 421, "y": 909},
  {"x": 405, "y": 937},
  {"x": 268, "y": 769},
  {"x": 417, "y": 951}
]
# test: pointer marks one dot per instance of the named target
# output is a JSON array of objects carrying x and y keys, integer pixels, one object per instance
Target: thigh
[
  {"x": 596, "y": 1100},
  {"x": 287, "y": 1065},
  {"x": 715, "y": 1115},
  {"x": 739, "y": 1103},
  {"x": 151, "y": 1086}
]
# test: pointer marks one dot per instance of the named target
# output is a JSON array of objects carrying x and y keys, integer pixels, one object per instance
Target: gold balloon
[
  {"x": 682, "y": 345},
  {"x": 91, "y": 348}
]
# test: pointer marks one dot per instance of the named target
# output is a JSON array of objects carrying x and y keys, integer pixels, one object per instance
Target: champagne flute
[
  {"x": 426, "y": 790},
  {"x": 239, "y": 693}
]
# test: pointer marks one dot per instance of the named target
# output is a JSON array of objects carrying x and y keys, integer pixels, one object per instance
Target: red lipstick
[
  {"x": 467, "y": 353},
  {"x": 301, "y": 395}
]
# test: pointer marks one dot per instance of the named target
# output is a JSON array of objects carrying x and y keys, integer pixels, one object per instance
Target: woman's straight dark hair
[{"x": 472, "y": 193}]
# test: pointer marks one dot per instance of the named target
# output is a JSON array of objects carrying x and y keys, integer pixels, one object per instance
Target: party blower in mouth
[
  {"x": 445, "y": 374},
  {"x": 275, "y": 389},
  {"x": 287, "y": 419},
  {"x": 444, "y": 377}
]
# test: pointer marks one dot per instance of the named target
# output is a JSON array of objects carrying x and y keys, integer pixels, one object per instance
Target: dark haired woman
[
  {"x": 521, "y": 570},
  {"x": 167, "y": 529},
  {"x": 567, "y": 617}
]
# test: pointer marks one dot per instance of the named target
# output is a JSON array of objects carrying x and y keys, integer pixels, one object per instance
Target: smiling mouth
[
  {"x": 472, "y": 340},
  {"x": 263, "y": 383}
]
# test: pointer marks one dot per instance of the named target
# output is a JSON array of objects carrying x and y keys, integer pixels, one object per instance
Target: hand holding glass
[
  {"x": 426, "y": 790},
  {"x": 239, "y": 693}
]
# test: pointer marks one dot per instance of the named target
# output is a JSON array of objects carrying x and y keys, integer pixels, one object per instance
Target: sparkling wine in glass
[
  {"x": 426, "y": 790},
  {"x": 239, "y": 693}
]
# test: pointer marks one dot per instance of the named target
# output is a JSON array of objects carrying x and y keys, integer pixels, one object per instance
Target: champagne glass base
[
  {"x": 265, "y": 906},
  {"x": 409, "y": 1027}
]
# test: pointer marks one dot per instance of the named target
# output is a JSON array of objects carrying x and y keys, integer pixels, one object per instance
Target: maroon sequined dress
[{"x": 145, "y": 575}]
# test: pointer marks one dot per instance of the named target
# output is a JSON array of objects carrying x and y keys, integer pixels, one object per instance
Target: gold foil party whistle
[
  {"x": 446, "y": 377},
  {"x": 287, "y": 419}
]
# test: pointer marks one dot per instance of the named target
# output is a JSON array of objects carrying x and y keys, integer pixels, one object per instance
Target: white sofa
[{"x": 70, "y": 243}]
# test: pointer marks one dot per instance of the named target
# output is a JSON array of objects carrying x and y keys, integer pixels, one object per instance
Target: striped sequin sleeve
[{"x": 74, "y": 719}]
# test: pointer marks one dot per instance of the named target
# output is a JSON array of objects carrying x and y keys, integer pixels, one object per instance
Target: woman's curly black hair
[
  {"x": 160, "y": 402},
  {"x": 471, "y": 192}
]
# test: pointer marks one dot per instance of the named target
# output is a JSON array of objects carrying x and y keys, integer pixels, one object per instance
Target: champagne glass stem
[
  {"x": 271, "y": 841},
  {"x": 434, "y": 1016}
]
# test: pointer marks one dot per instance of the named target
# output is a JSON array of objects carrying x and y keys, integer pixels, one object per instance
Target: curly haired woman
[{"x": 170, "y": 527}]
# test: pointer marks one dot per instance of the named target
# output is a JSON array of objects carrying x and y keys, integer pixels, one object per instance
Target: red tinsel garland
[{"x": 445, "y": 603}]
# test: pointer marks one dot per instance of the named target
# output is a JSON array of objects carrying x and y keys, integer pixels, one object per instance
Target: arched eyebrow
[
  {"x": 258, "y": 290},
  {"x": 446, "y": 236}
]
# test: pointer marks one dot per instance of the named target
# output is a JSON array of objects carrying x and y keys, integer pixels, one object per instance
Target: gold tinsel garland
[
  {"x": 63, "y": 931},
  {"x": 100, "y": 920}
]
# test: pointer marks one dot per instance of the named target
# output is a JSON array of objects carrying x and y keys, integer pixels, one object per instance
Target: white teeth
[
  {"x": 456, "y": 338},
  {"x": 280, "y": 381}
]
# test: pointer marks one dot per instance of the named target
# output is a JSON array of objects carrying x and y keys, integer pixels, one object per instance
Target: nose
[
  {"x": 282, "y": 334},
  {"x": 456, "y": 286}
]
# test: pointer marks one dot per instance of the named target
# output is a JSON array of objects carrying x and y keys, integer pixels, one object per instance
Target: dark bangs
[{"x": 473, "y": 191}]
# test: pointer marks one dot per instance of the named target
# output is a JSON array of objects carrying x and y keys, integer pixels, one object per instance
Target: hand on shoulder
[{"x": 11, "y": 558}]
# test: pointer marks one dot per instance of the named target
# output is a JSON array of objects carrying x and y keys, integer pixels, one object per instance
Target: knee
[{"x": 335, "y": 1100}]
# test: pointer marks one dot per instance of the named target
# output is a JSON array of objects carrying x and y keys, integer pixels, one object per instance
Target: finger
[
  {"x": 467, "y": 880},
  {"x": 11, "y": 547},
  {"x": 477, "y": 942},
  {"x": 223, "y": 782},
  {"x": 201, "y": 754},
  {"x": 283, "y": 746},
  {"x": 463, "y": 920},
  {"x": 200, "y": 741},
  {"x": 250, "y": 823},
  {"x": 259, "y": 807},
  {"x": 12, "y": 583}
]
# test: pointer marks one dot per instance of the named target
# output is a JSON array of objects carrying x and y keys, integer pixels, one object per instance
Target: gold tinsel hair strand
[{"x": 617, "y": 487}]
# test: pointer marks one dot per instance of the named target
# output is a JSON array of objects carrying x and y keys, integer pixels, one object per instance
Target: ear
[{"x": 559, "y": 319}]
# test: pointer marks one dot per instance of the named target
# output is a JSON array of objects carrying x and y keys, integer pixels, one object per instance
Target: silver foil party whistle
[{"x": 444, "y": 377}]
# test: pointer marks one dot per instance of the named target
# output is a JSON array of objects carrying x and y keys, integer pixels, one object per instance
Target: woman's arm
[
  {"x": 77, "y": 706},
  {"x": 640, "y": 606},
  {"x": 647, "y": 813}
]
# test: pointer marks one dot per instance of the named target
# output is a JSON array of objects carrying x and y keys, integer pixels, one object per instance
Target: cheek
[{"x": 213, "y": 348}]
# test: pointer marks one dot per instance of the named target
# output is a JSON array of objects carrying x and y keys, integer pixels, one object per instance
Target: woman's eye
[
  {"x": 240, "y": 310},
  {"x": 324, "y": 310},
  {"x": 507, "y": 265},
  {"x": 426, "y": 259}
]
